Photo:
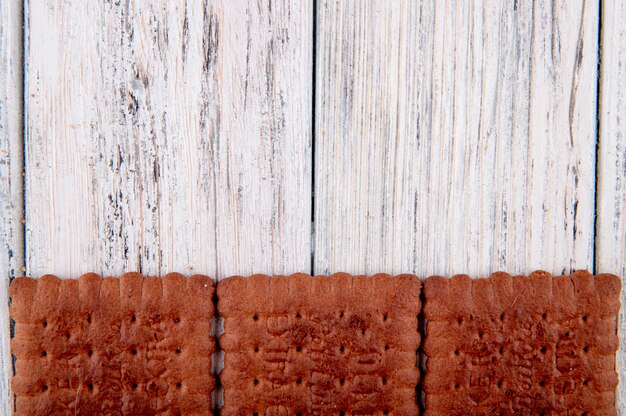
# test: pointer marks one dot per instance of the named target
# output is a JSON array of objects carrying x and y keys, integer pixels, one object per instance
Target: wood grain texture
[
  {"x": 455, "y": 137},
  {"x": 11, "y": 180},
  {"x": 611, "y": 198},
  {"x": 168, "y": 136},
  {"x": 175, "y": 136}
]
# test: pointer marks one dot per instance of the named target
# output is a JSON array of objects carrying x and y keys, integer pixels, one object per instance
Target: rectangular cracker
[
  {"x": 131, "y": 345},
  {"x": 335, "y": 345},
  {"x": 505, "y": 345}
]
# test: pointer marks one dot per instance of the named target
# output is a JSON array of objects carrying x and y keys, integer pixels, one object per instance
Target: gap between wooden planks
[{"x": 182, "y": 134}]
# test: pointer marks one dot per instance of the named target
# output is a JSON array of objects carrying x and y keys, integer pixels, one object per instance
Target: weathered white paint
[
  {"x": 455, "y": 137},
  {"x": 465, "y": 143},
  {"x": 11, "y": 181},
  {"x": 175, "y": 136},
  {"x": 611, "y": 199},
  {"x": 168, "y": 136}
]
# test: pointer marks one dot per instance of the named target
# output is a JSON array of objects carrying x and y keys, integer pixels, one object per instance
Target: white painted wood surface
[
  {"x": 168, "y": 136},
  {"x": 11, "y": 181},
  {"x": 455, "y": 137},
  {"x": 611, "y": 200},
  {"x": 466, "y": 143},
  {"x": 176, "y": 136}
]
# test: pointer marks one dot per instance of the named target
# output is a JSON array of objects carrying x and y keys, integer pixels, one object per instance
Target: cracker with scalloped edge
[
  {"x": 508, "y": 345},
  {"x": 322, "y": 345},
  {"x": 131, "y": 345}
]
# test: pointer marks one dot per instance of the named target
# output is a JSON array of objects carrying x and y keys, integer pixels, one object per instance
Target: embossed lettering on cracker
[
  {"x": 320, "y": 345},
  {"x": 537, "y": 345},
  {"x": 93, "y": 346}
]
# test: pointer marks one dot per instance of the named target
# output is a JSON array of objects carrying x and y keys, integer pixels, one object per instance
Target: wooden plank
[
  {"x": 611, "y": 199},
  {"x": 11, "y": 180},
  {"x": 455, "y": 137},
  {"x": 168, "y": 136}
]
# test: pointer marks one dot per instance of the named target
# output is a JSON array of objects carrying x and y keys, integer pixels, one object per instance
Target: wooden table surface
[{"x": 275, "y": 136}]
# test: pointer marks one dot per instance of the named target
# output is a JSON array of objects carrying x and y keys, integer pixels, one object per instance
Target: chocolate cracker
[
  {"x": 335, "y": 345},
  {"x": 537, "y": 345},
  {"x": 131, "y": 345}
]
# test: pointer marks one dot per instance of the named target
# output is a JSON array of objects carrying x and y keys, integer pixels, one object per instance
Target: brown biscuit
[
  {"x": 133, "y": 345},
  {"x": 521, "y": 345},
  {"x": 320, "y": 345}
]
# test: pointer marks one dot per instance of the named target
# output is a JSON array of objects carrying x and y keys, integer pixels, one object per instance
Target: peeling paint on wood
[
  {"x": 176, "y": 136},
  {"x": 168, "y": 136},
  {"x": 611, "y": 199},
  {"x": 466, "y": 143},
  {"x": 455, "y": 137},
  {"x": 11, "y": 180}
]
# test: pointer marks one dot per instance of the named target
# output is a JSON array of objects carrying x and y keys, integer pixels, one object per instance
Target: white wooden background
[{"x": 273, "y": 136}]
